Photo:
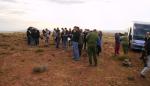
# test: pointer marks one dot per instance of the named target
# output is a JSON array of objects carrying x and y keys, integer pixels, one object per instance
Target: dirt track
[{"x": 17, "y": 61}]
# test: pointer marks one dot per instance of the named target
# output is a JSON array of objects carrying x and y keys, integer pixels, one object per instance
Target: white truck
[{"x": 137, "y": 35}]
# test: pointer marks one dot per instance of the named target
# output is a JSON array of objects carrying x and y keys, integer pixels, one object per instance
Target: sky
[{"x": 91, "y": 14}]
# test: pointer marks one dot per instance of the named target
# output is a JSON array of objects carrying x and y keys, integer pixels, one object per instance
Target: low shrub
[{"x": 39, "y": 50}]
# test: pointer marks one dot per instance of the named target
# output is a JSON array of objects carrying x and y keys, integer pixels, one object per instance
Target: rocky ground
[{"x": 17, "y": 63}]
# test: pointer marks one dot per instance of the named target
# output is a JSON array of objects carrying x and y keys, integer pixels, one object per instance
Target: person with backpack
[
  {"x": 92, "y": 38},
  {"x": 147, "y": 50}
]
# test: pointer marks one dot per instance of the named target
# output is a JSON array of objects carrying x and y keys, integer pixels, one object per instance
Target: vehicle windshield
[{"x": 140, "y": 31}]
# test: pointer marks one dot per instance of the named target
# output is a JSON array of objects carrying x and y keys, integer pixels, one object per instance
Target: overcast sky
[{"x": 99, "y": 14}]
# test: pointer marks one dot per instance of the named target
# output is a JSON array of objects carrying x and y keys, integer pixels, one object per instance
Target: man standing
[
  {"x": 92, "y": 46},
  {"x": 47, "y": 35},
  {"x": 75, "y": 43},
  {"x": 147, "y": 49},
  {"x": 80, "y": 42},
  {"x": 125, "y": 43},
  {"x": 117, "y": 43},
  {"x": 28, "y": 33},
  {"x": 57, "y": 37}
]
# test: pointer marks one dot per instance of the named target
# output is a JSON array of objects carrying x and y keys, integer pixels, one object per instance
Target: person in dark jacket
[
  {"x": 117, "y": 43},
  {"x": 58, "y": 37},
  {"x": 37, "y": 36},
  {"x": 146, "y": 68},
  {"x": 69, "y": 37},
  {"x": 80, "y": 42},
  {"x": 99, "y": 43},
  {"x": 28, "y": 33},
  {"x": 84, "y": 38},
  {"x": 75, "y": 43}
]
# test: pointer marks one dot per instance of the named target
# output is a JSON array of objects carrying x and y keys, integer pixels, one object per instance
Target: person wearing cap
[{"x": 92, "y": 38}]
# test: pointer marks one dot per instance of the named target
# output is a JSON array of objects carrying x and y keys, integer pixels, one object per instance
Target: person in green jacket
[
  {"x": 125, "y": 44},
  {"x": 92, "y": 46}
]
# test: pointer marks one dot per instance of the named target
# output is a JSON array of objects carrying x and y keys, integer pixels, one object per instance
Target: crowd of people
[{"x": 89, "y": 40}]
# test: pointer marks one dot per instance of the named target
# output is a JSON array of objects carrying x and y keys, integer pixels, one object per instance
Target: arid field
[{"x": 17, "y": 61}]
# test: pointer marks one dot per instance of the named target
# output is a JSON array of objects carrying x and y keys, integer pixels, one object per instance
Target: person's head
[
  {"x": 126, "y": 34},
  {"x": 57, "y": 28},
  {"x": 69, "y": 29},
  {"x": 94, "y": 30},
  {"x": 76, "y": 28}
]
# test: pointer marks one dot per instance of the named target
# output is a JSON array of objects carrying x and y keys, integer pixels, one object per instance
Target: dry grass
[{"x": 39, "y": 50}]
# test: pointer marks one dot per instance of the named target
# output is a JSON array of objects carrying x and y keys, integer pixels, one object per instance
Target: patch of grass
[
  {"x": 3, "y": 53},
  {"x": 4, "y": 45},
  {"x": 39, "y": 50},
  {"x": 4, "y": 35},
  {"x": 120, "y": 58},
  {"x": 39, "y": 69},
  {"x": 12, "y": 48}
]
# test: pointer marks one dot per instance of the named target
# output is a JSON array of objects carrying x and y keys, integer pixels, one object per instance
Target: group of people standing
[
  {"x": 88, "y": 40},
  {"x": 121, "y": 39},
  {"x": 33, "y": 35}
]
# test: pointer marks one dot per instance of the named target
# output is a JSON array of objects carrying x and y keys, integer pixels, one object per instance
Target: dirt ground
[{"x": 17, "y": 61}]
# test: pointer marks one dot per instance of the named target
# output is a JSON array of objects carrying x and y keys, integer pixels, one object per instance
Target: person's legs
[
  {"x": 118, "y": 48},
  {"x": 125, "y": 49},
  {"x": 73, "y": 48},
  {"x": 98, "y": 50},
  {"x": 145, "y": 70},
  {"x": 115, "y": 49},
  {"x": 75, "y": 51},
  {"x": 65, "y": 43},
  {"x": 90, "y": 55},
  {"x": 84, "y": 45},
  {"x": 94, "y": 55},
  {"x": 37, "y": 41},
  {"x": 79, "y": 46},
  {"x": 29, "y": 40}
]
